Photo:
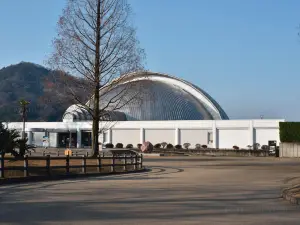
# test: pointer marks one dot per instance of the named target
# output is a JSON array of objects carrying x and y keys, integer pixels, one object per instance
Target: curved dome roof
[{"x": 155, "y": 96}]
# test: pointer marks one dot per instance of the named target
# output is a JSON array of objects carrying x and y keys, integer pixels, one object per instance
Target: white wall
[
  {"x": 125, "y": 136},
  {"x": 264, "y": 135},
  {"x": 289, "y": 150},
  {"x": 53, "y": 140},
  {"x": 160, "y": 135},
  {"x": 228, "y": 138},
  {"x": 194, "y": 136},
  {"x": 226, "y": 133}
]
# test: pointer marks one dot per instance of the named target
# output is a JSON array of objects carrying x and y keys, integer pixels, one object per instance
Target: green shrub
[
  {"x": 164, "y": 144},
  {"x": 197, "y": 146},
  {"x": 157, "y": 146},
  {"x": 11, "y": 142},
  {"x": 170, "y": 146},
  {"x": 178, "y": 146},
  {"x": 119, "y": 145},
  {"x": 289, "y": 131},
  {"x": 186, "y": 145},
  {"x": 129, "y": 146},
  {"x": 109, "y": 145},
  {"x": 256, "y": 146}
]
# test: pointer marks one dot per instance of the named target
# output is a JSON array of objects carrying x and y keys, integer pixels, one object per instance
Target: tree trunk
[
  {"x": 95, "y": 135},
  {"x": 96, "y": 117},
  {"x": 23, "y": 118}
]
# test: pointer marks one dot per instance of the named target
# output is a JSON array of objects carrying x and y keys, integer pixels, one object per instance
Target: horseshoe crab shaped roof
[{"x": 161, "y": 97}]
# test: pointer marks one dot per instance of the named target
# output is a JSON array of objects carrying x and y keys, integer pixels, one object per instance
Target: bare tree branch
[{"x": 96, "y": 42}]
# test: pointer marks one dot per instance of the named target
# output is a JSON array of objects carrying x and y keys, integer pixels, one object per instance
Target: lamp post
[{"x": 23, "y": 106}]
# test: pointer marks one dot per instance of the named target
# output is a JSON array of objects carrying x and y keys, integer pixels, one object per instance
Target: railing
[
  {"x": 216, "y": 152},
  {"x": 59, "y": 153},
  {"x": 102, "y": 163}
]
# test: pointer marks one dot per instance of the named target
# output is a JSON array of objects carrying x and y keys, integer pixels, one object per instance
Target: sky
[{"x": 245, "y": 54}]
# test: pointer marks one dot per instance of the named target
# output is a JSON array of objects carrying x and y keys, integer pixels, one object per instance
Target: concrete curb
[
  {"x": 8, "y": 181},
  {"x": 288, "y": 194}
]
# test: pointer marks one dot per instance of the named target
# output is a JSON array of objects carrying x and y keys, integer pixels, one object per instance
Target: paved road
[{"x": 178, "y": 190}]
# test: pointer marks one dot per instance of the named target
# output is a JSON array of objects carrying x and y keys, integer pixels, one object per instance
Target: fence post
[
  {"x": 142, "y": 161},
  {"x": 67, "y": 164},
  {"x": 83, "y": 164},
  {"x": 131, "y": 160},
  {"x": 48, "y": 165},
  {"x": 113, "y": 163},
  {"x": 125, "y": 163},
  {"x": 26, "y": 174},
  {"x": 99, "y": 163},
  {"x": 43, "y": 153},
  {"x": 57, "y": 152},
  {"x": 1, "y": 165},
  {"x": 87, "y": 154},
  {"x": 136, "y": 162}
]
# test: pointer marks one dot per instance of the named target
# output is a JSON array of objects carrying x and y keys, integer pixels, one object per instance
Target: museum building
[{"x": 153, "y": 107}]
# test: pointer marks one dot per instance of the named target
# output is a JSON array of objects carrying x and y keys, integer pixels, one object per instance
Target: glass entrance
[
  {"x": 86, "y": 138},
  {"x": 64, "y": 140}
]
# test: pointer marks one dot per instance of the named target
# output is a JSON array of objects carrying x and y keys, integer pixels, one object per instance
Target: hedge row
[
  {"x": 118, "y": 145},
  {"x": 289, "y": 131}
]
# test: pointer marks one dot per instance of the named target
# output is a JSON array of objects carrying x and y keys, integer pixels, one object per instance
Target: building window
[
  {"x": 209, "y": 138},
  {"x": 32, "y": 136},
  {"x": 105, "y": 137}
]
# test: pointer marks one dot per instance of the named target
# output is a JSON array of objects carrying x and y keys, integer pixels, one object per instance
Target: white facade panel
[
  {"x": 160, "y": 135},
  {"x": 289, "y": 150},
  {"x": 225, "y": 134},
  {"x": 53, "y": 140},
  {"x": 264, "y": 135},
  {"x": 266, "y": 123},
  {"x": 195, "y": 136},
  {"x": 125, "y": 136},
  {"x": 225, "y": 124},
  {"x": 227, "y": 138}
]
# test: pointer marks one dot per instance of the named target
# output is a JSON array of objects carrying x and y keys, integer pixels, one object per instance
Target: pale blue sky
[{"x": 244, "y": 53}]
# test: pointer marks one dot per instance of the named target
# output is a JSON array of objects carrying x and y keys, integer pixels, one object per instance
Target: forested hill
[{"x": 36, "y": 84}]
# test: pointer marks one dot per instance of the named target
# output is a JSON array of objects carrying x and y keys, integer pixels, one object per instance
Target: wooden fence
[
  {"x": 59, "y": 153},
  {"x": 125, "y": 162}
]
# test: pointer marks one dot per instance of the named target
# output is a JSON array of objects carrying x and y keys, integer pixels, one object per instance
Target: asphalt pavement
[{"x": 177, "y": 190}]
